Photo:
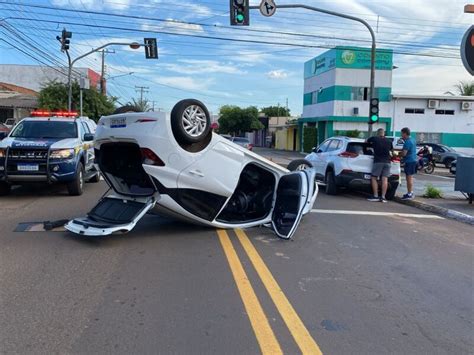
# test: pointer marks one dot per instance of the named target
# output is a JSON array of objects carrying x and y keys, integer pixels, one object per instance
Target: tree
[
  {"x": 140, "y": 105},
  {"x": 53, "y": 97},
  {"x": 236, "y": 120},
  {"x": 465, "y": 88},
  {"x": 276, "y": 111}
]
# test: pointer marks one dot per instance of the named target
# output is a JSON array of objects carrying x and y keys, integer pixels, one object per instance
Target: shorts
[
  {"x": 381, "y": 169},
  {"x": 410, "y": 168}
]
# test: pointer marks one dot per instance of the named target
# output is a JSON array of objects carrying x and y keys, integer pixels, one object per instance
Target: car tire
[
  {"x": 447, "y": 162},
  {"x": 95, "y": 178},
  {"x": 5, "y": 188},
  {"x": 299, "y": 164},
  {"x": 331, "y": 187},
  {"x": 76, "y": 187},
  {"x": 190, "y": 121},
  {"x": 392, "y": 189}
]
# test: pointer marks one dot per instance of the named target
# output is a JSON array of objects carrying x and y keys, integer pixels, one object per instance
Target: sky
[{"x": 201, "y": 56}]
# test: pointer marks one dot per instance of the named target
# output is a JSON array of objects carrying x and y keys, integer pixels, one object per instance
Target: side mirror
[
  {"x": 3, "y": 135},
  {"x": 88, "y": 137}
]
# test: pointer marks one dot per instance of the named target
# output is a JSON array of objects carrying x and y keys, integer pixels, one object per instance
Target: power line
[{"x": 233, "y": 39}]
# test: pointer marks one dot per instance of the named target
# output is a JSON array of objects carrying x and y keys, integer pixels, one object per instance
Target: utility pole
[
  {"x": 102, "y": 71},
  {"x": 141, "y": 89},
  {"x": 287, "y": 112}
]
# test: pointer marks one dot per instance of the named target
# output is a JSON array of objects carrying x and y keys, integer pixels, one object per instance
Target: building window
[
  {"x": 314, "y": 97},
  {"x": 444, "y": 112},
  {"x": 418, "y": 111}
]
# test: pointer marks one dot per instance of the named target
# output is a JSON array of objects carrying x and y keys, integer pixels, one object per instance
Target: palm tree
[
  {"x": 139, "y": 105},
  {"x": 465, "y": 88}
]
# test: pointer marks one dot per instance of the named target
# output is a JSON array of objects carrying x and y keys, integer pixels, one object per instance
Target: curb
[{"x": 445, "y": 212}]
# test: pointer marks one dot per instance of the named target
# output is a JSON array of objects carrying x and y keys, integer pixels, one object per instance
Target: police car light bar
[{"x": 41, "y": 113}]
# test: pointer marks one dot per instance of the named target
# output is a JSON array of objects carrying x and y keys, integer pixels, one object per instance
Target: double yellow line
[{"x": 266, "y": 338}]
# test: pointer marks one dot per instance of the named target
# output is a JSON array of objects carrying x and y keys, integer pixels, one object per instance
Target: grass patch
[{"x": 432, "y": 192}]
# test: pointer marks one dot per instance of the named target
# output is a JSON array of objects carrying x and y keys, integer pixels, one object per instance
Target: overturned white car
[{"x": 177, "y": 166}]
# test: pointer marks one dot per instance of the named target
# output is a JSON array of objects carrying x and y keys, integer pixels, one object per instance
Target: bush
[
  {"x": 432, "y": 192},
  {"x": 310, "y": 138}
]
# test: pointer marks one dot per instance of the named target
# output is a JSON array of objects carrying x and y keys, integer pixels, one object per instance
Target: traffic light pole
[
  {"x": 71, "y": 64},
  {"x": 348, "y": 17}
]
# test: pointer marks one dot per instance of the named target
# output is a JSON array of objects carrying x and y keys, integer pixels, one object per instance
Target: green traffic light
[
  {"x": 374, "y": 118},
  {"x": 240, "y": 18}
]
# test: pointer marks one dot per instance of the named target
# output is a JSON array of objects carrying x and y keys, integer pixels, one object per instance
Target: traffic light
[
  {"x": 65, "y": 35},
  {"x": 239, "y": 12},
  {"x": 374, "y": 111}
]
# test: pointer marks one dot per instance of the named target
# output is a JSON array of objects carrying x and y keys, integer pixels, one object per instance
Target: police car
[{"x": 49, "y": 147}]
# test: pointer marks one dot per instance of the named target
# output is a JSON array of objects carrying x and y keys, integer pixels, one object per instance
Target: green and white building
[{"x": 336, "y": 100}]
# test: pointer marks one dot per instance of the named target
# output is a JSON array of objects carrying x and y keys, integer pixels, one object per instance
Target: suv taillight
[
  {"x": 348, "y": 155},
  {"x": 150, "y": 158}
]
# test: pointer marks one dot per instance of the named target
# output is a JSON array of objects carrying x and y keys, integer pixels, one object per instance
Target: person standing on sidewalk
[
  {"x": 410, "y": 160},
  {"x": 381, "y": 168}
]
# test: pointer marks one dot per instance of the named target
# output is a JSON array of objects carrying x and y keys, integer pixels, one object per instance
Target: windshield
[
  {"x": 45, "y": 129},
  {"x": 448, "y": 149}
]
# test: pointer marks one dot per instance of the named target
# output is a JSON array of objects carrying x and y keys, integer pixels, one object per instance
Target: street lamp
[
  {"x": 118, "y": 76},
  {"x": 133, "y": 45}
]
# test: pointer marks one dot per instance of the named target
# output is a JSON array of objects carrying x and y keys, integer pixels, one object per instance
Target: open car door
[
  {"x": 112, "y": 214},
  {"x": 296, "y": 193}
]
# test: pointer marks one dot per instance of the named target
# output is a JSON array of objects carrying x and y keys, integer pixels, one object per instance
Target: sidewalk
[{"x": 453, "y": 204}]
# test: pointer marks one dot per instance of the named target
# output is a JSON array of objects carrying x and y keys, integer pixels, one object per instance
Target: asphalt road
[{"x": 358, "y": 278}]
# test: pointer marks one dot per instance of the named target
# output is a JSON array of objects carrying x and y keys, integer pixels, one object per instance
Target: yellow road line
[
  {"x": 264, "y": 333},
  {"x": 297, "y": 329}
]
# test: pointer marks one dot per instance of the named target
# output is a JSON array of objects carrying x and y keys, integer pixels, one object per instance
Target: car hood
[{"x": 13, "y": 142}]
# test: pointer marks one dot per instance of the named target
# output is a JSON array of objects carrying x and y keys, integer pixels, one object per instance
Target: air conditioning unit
[
  {"x": 467, "y": 105},
  {"x": 355, "y": 111},
  {"x": 433, "y": 103}
]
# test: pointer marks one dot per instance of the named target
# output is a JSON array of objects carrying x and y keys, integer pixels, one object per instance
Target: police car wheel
[
  {"x": 4, "y": 188},
  {"x": 76, "y": 187},
  {"x": 190, "y": 121}
]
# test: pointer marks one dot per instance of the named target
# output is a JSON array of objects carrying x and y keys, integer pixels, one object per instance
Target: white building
[
  {"x": 438, "y": 119},
  {"x": 336, "y": 100}
]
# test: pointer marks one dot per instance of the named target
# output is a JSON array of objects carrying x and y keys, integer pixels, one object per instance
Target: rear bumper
[{"x": 360, "y": 180}]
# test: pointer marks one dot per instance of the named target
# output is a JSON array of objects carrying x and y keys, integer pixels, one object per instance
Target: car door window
[
  {"x": 85, "y": 128},
  {"x": 323, "y": 147},
  {"x": 81, "y": 131},
  {"x": 333, "y": 145}
]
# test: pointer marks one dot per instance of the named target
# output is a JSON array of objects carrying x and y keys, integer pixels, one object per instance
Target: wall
[{"x": 34, "y": 76}]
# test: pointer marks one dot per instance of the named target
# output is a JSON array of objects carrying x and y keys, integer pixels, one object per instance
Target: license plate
[
  {"x": 367, "y": 176},
  {"x": 118, "y": 122},
  {"x": 27, "y": 167}
]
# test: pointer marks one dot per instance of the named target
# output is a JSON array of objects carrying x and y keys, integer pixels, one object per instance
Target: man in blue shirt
[{"x": 410, "y": 160}]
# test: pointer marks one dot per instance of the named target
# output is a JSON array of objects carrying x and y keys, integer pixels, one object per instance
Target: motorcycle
[{"x": 426, "y": 164}]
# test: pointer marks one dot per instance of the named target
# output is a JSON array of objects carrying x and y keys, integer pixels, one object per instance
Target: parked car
[
  {"x": 243, "y": 142},
  {"x": 443, "y": 154},
  {"x": 4, "y": 130},
  {"x": 176, "y": 165},
  {"x": 49, "y": 147},
  {"x": 343, "y": 162},
  {"x": 10, "y": 122},
  {"x": 452, "y": 169}
]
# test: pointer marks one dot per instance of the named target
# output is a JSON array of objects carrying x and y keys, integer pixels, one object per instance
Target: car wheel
[
  {"x": 299, "y": 164},
  {"x": 392, "y": 189},
  {"x": 190, "y": 121},
  {"x": 331, "y": 187},
  {"x": 5, "y": 188},
  {"x": 95, "y": 178},
  {"x": 76, "y": 187},
  {"x": 448, "y": 162}
]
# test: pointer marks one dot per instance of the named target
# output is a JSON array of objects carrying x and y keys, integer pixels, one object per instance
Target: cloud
[
  {"x": 195, "y": 66},
  {"x": 185, "y": 82},
  {"x": 174, "y": 26},
  {"x": 93, "y": 4},
  {"x": 277, "y": 74}
]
